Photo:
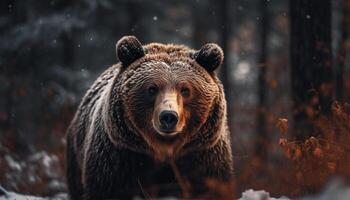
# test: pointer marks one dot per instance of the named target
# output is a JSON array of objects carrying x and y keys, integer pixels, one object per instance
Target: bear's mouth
[
  {"x": 164, "y": 132},
  {"x": 167, "y": 133},
  {"x": 168, "y": 138}
]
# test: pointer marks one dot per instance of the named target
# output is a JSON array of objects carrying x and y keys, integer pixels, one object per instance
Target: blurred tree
[
  {"x": 200, "y": 33},
  {"x": 68, "y": 50},
  {"x": 341, "y": 55},
  {"x": 12, "y": 14},
  {"x": 133, "y": 7},
  {"x": 139, "y": 13},
  {"x": 261, "y": 136},
  {"x": 33, "y": 41},
  {"x": 311, "y": 62},
  {"x": 224, "y": 39}
]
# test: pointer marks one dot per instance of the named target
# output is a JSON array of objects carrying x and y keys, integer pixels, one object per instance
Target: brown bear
[{"x": 150, "y": 124}]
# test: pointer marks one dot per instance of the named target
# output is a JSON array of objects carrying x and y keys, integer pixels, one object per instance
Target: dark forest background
[{"x": 286, "y": 76}]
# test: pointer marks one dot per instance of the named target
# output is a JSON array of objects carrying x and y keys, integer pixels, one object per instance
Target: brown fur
[{"x": 113, "y": 149}]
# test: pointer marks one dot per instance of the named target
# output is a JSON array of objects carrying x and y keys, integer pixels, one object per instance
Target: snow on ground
[
  {"x": 336, "y": 190},
  {"x": 5, "y": 195},
  {"x": 259, "y": 195}
]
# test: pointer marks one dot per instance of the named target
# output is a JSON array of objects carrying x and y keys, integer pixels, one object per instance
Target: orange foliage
[
  {"x": 317, "y": 159},
  {"x": 296, "y": 168}
]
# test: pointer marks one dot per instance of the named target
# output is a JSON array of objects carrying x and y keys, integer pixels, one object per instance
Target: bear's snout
[
  {"x": 168, "y": 117},
  {"x": 168, "y": 120}
]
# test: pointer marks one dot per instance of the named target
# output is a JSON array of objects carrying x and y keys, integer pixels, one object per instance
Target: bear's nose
[{"x": 168, "y": 119}]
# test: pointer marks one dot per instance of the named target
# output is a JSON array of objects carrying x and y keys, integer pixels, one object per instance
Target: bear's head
[{"x": 169, "y": 97}]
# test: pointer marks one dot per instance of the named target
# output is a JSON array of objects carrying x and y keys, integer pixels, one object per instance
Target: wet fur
[{"x": 109, "y": 158}]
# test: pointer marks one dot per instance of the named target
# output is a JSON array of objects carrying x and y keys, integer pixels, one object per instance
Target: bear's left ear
[
  {"x": 210, "y": 56},
  {"x": 129, "y": 49}
]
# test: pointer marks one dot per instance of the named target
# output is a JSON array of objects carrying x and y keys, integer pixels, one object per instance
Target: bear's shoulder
[{"x": 98, "y": 86}]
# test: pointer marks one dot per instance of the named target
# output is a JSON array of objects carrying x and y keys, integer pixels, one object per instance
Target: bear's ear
[
  {"x": 210, "y": 56},
  {"x": 129, "y": 49}
]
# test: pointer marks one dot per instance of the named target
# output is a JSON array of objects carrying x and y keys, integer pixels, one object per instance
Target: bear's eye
[
  {"x": 185, "y": 91},
  {"x": 152, "y": 90}
]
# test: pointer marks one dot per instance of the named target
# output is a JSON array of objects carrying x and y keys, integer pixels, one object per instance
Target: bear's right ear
[{"x": 129, "y": 49}]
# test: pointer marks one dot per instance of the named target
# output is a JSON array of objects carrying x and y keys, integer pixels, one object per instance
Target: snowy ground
[
  {"x": 247, "y": 195},
  {"x": 336, "y": 190},
  {"x": 5, "y": 195}
]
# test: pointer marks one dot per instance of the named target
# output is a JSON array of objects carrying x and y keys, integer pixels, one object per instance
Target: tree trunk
[
  {"x": 261, "y": 136},
  {"x": 200, "y": 36},
  {"x": 134, "y": 26},
  {"x": 68, "y": 50},
  {"x": 224, "y": 32},
  {"x": 342, "y": 53},
  {"x": 311, "y": 61}
]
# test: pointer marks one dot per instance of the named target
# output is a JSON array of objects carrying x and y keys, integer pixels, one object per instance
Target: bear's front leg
[
  {"x": 101, "y": 171},
  {"x": 211, "y": 164},
  {"x": 98, "y": 175},
  {"x": 109, "y": 172}
]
